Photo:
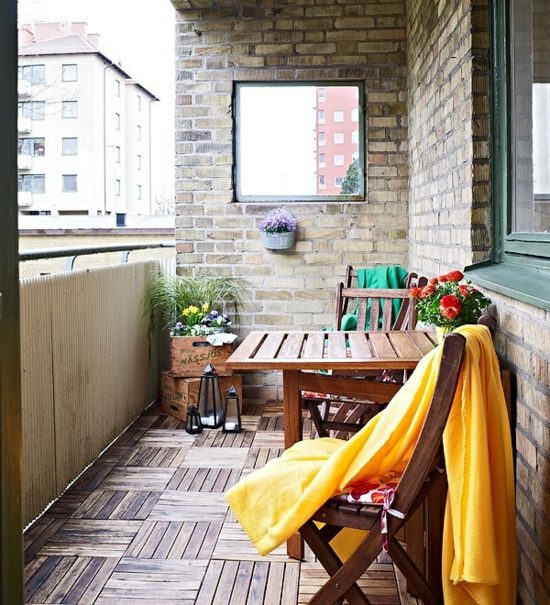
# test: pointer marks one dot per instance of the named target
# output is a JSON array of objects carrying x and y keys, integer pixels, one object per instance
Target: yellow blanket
[{"x": 479, "y": 564}]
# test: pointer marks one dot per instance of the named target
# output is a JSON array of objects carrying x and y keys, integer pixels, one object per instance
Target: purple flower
[{"x": 278, "y": 220}]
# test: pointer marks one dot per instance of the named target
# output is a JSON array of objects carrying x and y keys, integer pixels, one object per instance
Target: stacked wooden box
[{"x": 189, "y": 355}]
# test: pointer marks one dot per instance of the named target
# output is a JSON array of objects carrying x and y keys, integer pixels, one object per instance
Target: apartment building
[{"x": 84, "y": 127}]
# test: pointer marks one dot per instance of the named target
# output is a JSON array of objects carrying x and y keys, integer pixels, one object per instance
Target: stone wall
[{"x": 450, "y": 218}]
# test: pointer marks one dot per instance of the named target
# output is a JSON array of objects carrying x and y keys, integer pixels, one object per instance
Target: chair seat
[{"x": 373, "y": 491}]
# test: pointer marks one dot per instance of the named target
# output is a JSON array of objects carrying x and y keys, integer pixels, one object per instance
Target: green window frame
[{"x": 520, "y": 263}]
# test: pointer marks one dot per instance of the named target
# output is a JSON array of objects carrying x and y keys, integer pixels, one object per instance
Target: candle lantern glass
[
  {"x": 193, "y": 424},
  {"x": 232, "y": 412},
  {"x": 210, "y": 399}
]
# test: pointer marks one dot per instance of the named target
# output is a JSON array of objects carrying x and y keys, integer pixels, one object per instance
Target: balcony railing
[
  {"x": 24, "y": 161},
  {"x": 90, "y": 366}
]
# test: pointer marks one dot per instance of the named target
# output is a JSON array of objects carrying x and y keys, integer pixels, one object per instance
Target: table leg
[{"x": 292, "y": 418}]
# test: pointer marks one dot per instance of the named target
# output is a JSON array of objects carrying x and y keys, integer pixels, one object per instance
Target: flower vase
[
  {"x": 278, "y": 241},
  {"x": 440, "y": 333}
]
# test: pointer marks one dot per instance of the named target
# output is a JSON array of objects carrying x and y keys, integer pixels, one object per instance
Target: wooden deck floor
[{"x": 147, "y": 524}]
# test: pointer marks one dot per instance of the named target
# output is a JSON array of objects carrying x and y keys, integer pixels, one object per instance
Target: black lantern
[
  {"x": 193, "y": 423},
  {"x": 210, "y": 399},
  {"x": 232, "y": 412}
]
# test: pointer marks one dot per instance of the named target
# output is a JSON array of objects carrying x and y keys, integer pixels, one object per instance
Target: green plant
[
  {"x": 171, "y": 295},
  {"x": 447, "y": 303}
]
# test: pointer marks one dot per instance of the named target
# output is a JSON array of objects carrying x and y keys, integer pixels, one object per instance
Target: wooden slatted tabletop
[{"x": 399, "y": 350}]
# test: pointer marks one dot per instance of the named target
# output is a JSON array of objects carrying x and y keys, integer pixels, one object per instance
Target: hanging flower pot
[{"x": 278, "y": 229}]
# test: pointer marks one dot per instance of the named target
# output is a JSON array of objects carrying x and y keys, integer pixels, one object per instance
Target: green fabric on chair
[{"x": 393, "y": 276}]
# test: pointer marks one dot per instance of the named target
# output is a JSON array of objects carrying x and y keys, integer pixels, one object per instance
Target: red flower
[
  {"x": 455, "y": 275},
  {"x": 450, "y": 306},
  {"x": 443, "y": 278},
  {"x": 464, "y": 290},
  {"x": 427, "y": 291},
  {"x": 415, "y": 292},
  {"x": 433, "y": 281}
]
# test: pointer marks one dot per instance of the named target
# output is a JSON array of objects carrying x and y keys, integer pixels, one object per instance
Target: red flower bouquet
[{"x": 447, "y": 303}]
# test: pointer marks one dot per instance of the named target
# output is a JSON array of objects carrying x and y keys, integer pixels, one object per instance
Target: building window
[
  {"x": 31, "y": 146},
  {"x": 117, "y": 154},
  {"x": 338, "y": 116},
  {"x": 35, "y": 74},
  {"x": 69, "y": 146},
  {"x": 286, "y": 122},
  {"x": 69, "y": 72},
  {"x": 322, "y": 181},
  {"x": 138, "y": 192},
  {"x": 139, "y": 102},
  {"x": 338, "y": 160},
  {"x": 117, "y": 88},
  {"x": 322, "y": 161},
  {"x": 35, "y": 110},
  {"x": 117, "y": 121},
  {"x": 355, "y": 136},
  {"x": 69, "y": 109},
  {"x": 338, "y": 138},
  {"x": 35, "y": 183},
  {"x": 138, "y": 132},
  {"x": 117, "y": 186},
  {"x": 338, "y": 181},
  {"x": 139, "y": 162},
  {"x": 69, "y": 183},
  {"x": 355, "y": 114}
]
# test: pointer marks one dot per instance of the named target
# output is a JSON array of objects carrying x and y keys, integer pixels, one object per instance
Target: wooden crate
[
  {"x": 189, "y": 355},
  {"x": 177, "y": 393}
]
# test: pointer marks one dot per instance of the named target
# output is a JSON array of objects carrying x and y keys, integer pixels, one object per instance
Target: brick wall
[{"x": 449, "y": 217}]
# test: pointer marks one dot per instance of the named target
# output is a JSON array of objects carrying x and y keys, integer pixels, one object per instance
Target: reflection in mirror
[{"x": 299, "y": 141}]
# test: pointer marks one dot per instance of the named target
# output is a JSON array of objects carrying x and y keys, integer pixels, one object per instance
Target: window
[
  {"x": 138, "y": 192},
  {"x": 355, "y": 136},
  {"x": 355, "y": 114},
  {"x": 69, "y": 183},
  {"x": 31, "y": 146},
  {"x": 338, "y": 116},
  {"x": 139, "y": 162},
  {"x": 35, "y": 183},
  {"x": 35, "y": 74},
  {"x": 117, "y": 154},
  {"x": 69, "y": 109},
  {"x": 338, "y": 160},
  {"x": 69, "y": 72},
  {"x": 138, "y": 132},
  {"x": 117, "y": 121},
  {"x": 117, "y": 88},
  {"x": 35, "y": 110},
  {"x": 521, "y": 174},
  {"x": 338, "y": 137},
  {"x": 284, "y": 122},
  {"x": 138, "y": 102},
  {"x": 69, "y": 146},
  {"x": 322, "y": 181},
  {"x": 338, "y": 181},
  {"x": 117, "y": 186}
]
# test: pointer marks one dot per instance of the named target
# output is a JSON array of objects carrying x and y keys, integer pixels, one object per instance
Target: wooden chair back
[{"x": 421, "y": 476}]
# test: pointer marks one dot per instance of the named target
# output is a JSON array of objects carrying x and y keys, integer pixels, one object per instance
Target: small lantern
[
  {"x": 210, "y": 399},
  {"x": 232, "y": 412},
  {"x": 193, "y": 424}
]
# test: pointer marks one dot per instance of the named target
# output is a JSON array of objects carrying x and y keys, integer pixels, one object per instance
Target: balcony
[
  {"x": 24, "y": 89},
  {"x": 24, "y": 125},
  {"x": 24, "y": 199},
  {"x": 24, "y": 161}
]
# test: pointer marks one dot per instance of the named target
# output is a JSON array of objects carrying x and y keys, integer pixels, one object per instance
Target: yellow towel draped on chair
[{"x": 479, "y": 562}]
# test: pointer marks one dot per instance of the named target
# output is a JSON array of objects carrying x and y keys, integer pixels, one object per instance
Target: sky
[{"x": 140, "y": 35}]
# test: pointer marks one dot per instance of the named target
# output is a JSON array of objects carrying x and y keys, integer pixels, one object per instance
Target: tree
[{"x": 350, "y": 184}]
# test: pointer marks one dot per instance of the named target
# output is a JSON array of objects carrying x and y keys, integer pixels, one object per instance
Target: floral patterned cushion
[{"x": 373, "y": 491}]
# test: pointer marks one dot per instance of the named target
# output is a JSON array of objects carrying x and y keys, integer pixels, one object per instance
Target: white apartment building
[{"x": 84, "y": 127}]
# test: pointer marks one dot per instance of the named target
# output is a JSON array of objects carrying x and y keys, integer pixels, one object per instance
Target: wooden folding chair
[
  {"x": 423, "y": 474},
  {"x": 341, "y": 410}
]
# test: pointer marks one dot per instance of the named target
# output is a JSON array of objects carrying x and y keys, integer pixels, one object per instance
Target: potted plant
[
  {"x": 195, "y": 310},
  {"x": 278, "y": 229},
  {"x": 446, "y": 303}
]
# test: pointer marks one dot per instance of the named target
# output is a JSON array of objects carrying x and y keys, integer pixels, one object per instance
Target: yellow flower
[{"x": 205, "y": 307}]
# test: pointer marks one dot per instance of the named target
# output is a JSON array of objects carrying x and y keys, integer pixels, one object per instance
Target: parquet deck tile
[{"x": 148, "y": 524}]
